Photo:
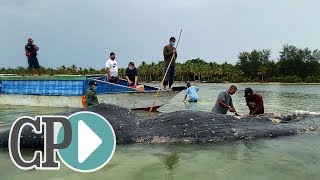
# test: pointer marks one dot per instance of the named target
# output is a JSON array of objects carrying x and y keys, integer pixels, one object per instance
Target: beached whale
[{"x": 184, "y": 126}]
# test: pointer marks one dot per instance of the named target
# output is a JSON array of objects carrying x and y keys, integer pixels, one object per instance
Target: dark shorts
[
  {"x": 33, "y": 62},
  {"x": 114, "y": 80}
]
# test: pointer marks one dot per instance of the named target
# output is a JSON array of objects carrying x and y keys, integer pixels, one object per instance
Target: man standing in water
[
  {"x": 224, "y": 101},
  {"x": 254, "y": 102},
  {"x": 112, "y": 69},
  {"x": 192, "y": 93},
  {"x": 31, "y": 53},
  {"x": 169, "y": 52}
]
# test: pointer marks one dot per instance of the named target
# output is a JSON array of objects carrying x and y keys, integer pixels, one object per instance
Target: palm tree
[{"x": 262, "y": 71}]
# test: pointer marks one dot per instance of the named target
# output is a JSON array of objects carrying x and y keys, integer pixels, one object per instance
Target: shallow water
[{"x": 295, "y": 157}]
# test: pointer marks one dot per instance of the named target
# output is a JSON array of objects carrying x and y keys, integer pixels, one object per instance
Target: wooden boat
[{"x": 66, "y": 91}]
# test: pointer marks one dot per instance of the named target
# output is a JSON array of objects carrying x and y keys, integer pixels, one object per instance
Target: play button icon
[
  {"x": 93, "y": 142},
  {"x": 88, "y": 141}
]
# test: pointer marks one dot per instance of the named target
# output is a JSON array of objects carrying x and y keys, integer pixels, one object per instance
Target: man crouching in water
[
  {"x": 91, "y": 96},
  {"x": 224, "y": 101},
  {"x": 254, "y": 102}
]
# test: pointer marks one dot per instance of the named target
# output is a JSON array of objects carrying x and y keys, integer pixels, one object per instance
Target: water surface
[{"x": 294, "y": 157}]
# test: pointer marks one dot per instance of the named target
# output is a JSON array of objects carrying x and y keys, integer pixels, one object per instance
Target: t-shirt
[
  {"x": 91, "y": 97},
  {"x": 167, "y": 54},
  {"x": 226, "y": 98},
  {"x": 132, "y": 74},
  {"x": 255, "y": 101},
  {"x": 31, "y": 49},
  {"x": 191, "y": 92},
  {"x": 113, "y": 67}
]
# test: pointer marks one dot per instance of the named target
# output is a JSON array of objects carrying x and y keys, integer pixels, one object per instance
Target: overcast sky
[{"x": 85, "y": 32}]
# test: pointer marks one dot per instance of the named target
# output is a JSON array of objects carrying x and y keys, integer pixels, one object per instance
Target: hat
[
  {"x": 30, "y": 39},
  {"x": 92, "y": 83},
  {"x": 247, "y": 91}
]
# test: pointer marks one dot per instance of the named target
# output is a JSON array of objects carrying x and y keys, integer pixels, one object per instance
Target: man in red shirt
[{"x": 254, "y": 102}]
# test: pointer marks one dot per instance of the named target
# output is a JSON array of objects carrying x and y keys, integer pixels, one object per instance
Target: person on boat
[
  {"x": 224, "y": 101},
  {"x": 31, "y": 53},
  {"x": 91, "y": 96},
  {"x": 112, "y": 69},
  {"x": 191, "y": 92},
  {"x": 169, "y": 52},
  {"x": 132, "y": 75},
  {"x": 254, "y": 102}
]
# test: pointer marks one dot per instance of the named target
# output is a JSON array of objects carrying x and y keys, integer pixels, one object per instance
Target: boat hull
[{"x": 130, "y": 100}]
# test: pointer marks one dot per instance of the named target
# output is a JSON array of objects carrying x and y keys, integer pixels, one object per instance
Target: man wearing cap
[
  {"x": 112, "y": 69},
  {"x": 91, "y": 96},
  {"x": 254, "y": 102},
  {"x": 224, "y": 101},
  {"x": 31, "y": 53}
]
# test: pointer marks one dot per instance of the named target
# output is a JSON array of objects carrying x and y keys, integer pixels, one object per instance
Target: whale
[{"x": 185, "y": 126}]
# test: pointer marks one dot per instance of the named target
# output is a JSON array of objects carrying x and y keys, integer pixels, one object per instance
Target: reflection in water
[
  {"x": 170, "y": 161},
  {"x": 250, "y": 149},
  {"x": 191, "y": 106},
  {"x": 231, "y": 151}
]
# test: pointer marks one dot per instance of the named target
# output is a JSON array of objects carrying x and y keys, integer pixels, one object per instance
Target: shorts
[{"x": 33, "y": 62}]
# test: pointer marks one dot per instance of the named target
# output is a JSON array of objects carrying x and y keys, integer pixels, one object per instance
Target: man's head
[
  {"x": 172, "y": 41},
  {"x": 248, "y": 91},
  {"x": 131, "y": 65},
  {"x": 188, "y": 84},
  {"x": 232, "y": 90},
  {"x": 30, "y": 40},
  {"x": 93, "y": 84},
  {"x": 112, "y": 56}
]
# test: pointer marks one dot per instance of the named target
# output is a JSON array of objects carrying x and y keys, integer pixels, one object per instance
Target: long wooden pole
[{"x": 165, "y": 74}]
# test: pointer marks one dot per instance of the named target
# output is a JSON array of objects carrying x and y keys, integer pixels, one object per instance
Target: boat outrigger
[{"x": 67, "y": 90}]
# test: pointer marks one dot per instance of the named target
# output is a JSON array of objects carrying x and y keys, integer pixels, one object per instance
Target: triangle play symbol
[{"x": 88, "y": 141}]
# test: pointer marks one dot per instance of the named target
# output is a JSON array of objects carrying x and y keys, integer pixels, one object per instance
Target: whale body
[{"x": 183, "y": 126}]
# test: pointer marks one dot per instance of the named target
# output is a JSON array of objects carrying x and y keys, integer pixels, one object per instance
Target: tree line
[{"x": 293, "y": 65}]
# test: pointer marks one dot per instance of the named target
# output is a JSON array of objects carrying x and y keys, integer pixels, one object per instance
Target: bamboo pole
[{"x": 165, "y": 74}]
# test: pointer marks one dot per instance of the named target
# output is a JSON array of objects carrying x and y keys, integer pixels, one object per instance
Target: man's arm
[
  {"x": 36, "y": 47},
  {"x": 127, "y": 76},
  {"x": 88, "y": 96},
  {"x": 258, "y": 107},
  {"x": 185, "y": 98},
  {"x": 136, "y": 76},
  {"x": 221, "y": 102},
  {"x": 108, "y": 73},
  {"x": 135, "y": 80},
  {"x": 233, "y": 109},
  {"x": 108, "y": 69}
]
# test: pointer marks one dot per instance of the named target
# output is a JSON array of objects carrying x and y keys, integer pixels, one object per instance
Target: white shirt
[{"x": 113, "y": 67}]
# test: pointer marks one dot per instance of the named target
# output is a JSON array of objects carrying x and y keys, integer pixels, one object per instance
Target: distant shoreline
[{"x": 180, "y": 82}]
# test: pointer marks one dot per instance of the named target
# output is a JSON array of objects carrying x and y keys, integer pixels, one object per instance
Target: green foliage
[{"x": 294, "y": 65}]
